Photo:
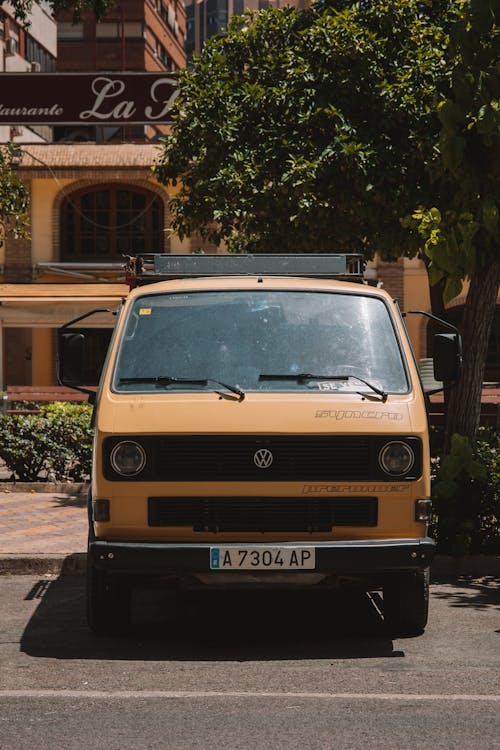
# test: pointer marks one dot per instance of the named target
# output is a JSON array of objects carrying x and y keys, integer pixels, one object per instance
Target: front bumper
[{"x": 344, "y": 558}]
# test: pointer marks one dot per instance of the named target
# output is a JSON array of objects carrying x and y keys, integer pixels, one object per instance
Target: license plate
[{"x": 262, "y": 558}]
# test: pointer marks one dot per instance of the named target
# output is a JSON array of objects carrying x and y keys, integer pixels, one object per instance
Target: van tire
[
  {"x": 108, "y": 602},
  {"x": 406, "y": 602}
]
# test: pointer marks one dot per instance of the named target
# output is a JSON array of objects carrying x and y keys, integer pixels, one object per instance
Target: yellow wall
[
  {"x": 42, "y": 202},
  {"x": 42, "y": 356},
  {"x": 180, "y": 246},
  {"x": 416, "y": 296}
]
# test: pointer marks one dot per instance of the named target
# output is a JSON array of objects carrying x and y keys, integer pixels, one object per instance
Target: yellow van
[{"x": 259, "y": 421}]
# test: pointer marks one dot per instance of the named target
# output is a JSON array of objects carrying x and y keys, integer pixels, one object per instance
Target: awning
[{"x": 52, "y": 305}]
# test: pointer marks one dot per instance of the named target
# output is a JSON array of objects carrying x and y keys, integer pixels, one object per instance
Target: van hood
[{"x": 287, "y": 413}]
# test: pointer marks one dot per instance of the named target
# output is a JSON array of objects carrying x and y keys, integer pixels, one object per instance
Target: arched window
[{"x": 105, "y": 222}]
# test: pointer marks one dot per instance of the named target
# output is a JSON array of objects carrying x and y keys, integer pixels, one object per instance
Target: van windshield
[{"x": 278, "y": 341}]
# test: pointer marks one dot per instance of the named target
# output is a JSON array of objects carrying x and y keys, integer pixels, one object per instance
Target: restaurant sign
[{"x": 86, "y": 98}]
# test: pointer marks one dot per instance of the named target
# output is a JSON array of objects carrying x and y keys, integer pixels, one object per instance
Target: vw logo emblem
[{"x": 263, "y": 458}]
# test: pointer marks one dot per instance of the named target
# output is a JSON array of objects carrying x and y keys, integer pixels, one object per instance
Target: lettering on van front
[
  {"x": 340, "y": 414},
  {"x": 313, "y": 489}
]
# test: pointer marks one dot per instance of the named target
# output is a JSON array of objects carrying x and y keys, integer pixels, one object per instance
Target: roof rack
[{"x": 153, "y": 267}]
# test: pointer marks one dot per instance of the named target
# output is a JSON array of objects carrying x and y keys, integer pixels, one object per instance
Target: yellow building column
[
  {"x": 43, "y": 356},
  {"x": 417, "y": 297}
]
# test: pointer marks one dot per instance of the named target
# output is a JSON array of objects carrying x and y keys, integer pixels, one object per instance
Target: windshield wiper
[
  {"x": 165, "y": 380},
  {"x": 168, "y": 379},
  {"x": 233, "y": 388},
  {"x": 304, "y": 376}
]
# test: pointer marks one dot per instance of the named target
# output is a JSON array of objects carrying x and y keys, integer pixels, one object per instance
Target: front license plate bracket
[{"x": 262, "y": 558}]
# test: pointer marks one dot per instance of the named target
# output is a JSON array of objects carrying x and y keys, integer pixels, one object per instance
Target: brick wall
[{"x": 18, "y": 266}]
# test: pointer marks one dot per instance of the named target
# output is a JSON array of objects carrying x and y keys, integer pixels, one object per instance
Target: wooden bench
[
  {"x": 38, "y": 394},
  {"x": 490, "y": 408}
]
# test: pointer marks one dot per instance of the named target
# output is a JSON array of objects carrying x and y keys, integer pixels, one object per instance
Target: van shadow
[{"x": 209, "y": 626}]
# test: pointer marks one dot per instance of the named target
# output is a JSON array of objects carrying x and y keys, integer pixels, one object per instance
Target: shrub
[
  {"x": 57, "y": 441},
  {"x": 466, "y": 495}
]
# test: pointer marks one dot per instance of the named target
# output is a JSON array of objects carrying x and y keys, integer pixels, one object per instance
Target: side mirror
[
  {"x": 72, "y": 358},
  {"x": 82, "y": 353},
  {"x": 447, "y": 356}
]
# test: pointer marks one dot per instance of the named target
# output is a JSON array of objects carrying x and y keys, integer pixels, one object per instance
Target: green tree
[
  {"x": 460, "y": 224},
  {"x": 303, "y": 130},
  {"x": 14, "y": 197},
  {"x": 327, "y": 130}
]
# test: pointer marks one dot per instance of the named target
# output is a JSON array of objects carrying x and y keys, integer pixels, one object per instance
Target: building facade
[
  {"x": 136, "y": 36},
  {"x": 90, "y": 206},
  {"x": 93, "y": 196}
]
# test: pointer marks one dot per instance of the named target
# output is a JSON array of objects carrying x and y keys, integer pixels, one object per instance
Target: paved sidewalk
[{"x": 42, "y": 522}]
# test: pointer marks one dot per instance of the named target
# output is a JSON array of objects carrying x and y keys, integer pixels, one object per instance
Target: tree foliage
[
  {"x": 466, "y": 496},
  {"x": 307, "y": 130},
  {"x": 14, "y": 197},
  {"x": 461, "y": 228}
]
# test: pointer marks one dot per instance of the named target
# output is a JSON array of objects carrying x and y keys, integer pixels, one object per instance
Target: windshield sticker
[
  {"x": 145, "y": 311},
  {"x": 312, "y": 489},
  {"x": 340, "y": 414},
  {"x": 335, "y": 385},
  {"x": 331, "y": 385}
]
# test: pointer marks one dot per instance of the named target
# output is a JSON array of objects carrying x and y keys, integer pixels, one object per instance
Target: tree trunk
[
  {"x": 464, "y": 406},
  {"x": 436, "y": 294}
]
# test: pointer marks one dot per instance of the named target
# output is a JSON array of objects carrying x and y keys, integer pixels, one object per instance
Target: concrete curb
[
  {"x": 467, "y": 566},
  {"x": 43, "y": 564},
  {"x": 68, "y": 488},
  {"x": 443, "y": 568}
]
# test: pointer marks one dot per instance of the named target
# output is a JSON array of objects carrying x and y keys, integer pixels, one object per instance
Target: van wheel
[
  {"x": 108, "y": 602},
  {"x": 406, "y": 602}
]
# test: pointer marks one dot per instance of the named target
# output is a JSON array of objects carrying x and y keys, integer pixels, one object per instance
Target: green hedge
[
  {"x": 56, "y": 443},
  {"x": 466, "y": 496}
]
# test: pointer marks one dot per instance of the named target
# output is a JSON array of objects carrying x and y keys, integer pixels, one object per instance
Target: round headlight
[
  {"x": 396, "y": 458},
  {"x": 128, "y": 458}
]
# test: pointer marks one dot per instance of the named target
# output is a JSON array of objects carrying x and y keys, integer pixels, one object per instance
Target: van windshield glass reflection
[{"x": 173, "y": 342}]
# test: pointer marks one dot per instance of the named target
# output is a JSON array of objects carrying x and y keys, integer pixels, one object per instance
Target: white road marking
[{"x": 188, "y": 694}]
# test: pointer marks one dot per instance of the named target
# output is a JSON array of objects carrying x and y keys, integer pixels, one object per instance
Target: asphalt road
[{"x": 253, "y": 670}]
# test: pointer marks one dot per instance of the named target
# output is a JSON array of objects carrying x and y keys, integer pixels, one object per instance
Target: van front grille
[
  {"x": 232, "y": 459},
  {"x": 259, "y": 514}
]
